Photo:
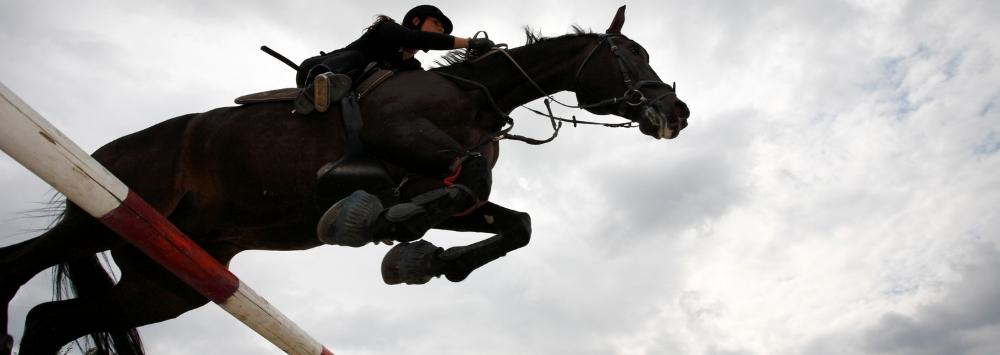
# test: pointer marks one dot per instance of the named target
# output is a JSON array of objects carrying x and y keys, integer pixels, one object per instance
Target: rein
[{"x": 632, "y": 96}]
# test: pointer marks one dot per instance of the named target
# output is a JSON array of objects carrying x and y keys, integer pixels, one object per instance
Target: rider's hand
[{"x": 480, "y": 45}]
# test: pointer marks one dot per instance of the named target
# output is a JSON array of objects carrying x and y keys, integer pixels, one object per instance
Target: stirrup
[{"x": 329, "y": 88}]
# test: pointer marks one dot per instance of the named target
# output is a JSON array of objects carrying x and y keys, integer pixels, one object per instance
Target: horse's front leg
[
  {"x": 360, "y": 218},
  {"x": 418, "y": 262}
]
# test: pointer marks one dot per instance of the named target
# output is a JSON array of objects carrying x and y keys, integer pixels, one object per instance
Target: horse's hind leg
[
  {"x": 418, "y": 262},
  {"x": 76, "y": 235},
  {"x": 7, "y": 345},
  {"x": 72, "y": 237},
  {"x": 145, "y": 294}
]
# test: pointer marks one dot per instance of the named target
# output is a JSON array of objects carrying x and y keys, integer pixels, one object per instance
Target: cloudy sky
[{"x": 837, "y": 191}]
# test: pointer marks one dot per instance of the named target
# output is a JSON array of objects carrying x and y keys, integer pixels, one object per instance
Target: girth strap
[
  {"x": 351, "y": 114},
  {"x": 356, "y": 169}
]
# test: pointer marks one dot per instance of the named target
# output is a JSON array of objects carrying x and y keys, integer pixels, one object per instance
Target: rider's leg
[
  {"x": 329, "y": 88},
  {"x": 329, "y": 81},
  {"x": 344, "y": 68}
]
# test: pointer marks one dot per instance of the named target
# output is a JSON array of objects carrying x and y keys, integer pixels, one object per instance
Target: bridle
[{"x": 633, "y": 96}]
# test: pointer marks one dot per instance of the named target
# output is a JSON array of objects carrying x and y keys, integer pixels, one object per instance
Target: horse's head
[{"x": 615, "y": 78}]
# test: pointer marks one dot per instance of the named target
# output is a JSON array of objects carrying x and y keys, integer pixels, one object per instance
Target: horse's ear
[{"x": 616, "y": 24}]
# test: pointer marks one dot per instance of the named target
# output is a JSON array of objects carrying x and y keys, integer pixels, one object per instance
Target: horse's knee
[
  {"x": 473, "y": 172},
  {"x": 9, "y": 282},
  {"x": 39, "y": 319},
  {"x": 519, "y": 231},
  {"x": 51, "y": 325},
  {"x": 41, "y": 334}
]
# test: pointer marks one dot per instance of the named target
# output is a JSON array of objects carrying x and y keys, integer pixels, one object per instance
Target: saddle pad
[{"x": 278, "y": 95}]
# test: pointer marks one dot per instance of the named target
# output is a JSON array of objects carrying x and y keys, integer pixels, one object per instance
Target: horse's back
[
  {"x": 147, "y": 160},
  {"x": 256, "y": 164},
  {"x": 263, "y": 140}
]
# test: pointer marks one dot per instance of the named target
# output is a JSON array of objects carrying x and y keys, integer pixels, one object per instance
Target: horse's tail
[{"x": 87, "y": 277}]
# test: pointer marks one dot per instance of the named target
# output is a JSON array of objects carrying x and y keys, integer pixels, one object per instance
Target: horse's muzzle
[{"x": 665, "y": 125}]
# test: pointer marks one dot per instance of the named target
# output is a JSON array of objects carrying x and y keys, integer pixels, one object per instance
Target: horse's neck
[{"x": 552, "y": 64}]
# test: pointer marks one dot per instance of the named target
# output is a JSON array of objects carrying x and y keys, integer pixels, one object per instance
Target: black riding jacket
[{"x": 383, "y": 44}]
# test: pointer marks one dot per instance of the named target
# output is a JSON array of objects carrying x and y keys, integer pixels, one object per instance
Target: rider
[{"x": 327, "y": 78}]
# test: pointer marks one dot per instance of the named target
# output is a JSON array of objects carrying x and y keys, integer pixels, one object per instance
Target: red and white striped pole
[{"x": 36, "y": 144}]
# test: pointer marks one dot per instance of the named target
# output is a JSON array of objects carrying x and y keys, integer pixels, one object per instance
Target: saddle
[{"x": 369, "y": 82}]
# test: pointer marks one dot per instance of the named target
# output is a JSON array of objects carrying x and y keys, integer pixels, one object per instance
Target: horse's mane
[{"x": 532, "y": 36}]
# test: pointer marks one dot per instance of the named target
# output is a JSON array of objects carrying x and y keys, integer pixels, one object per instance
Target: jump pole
[{"x": 40, "y": 147}]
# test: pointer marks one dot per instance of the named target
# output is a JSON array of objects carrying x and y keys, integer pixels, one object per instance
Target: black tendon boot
[
  {"x": 360, "y": 219},
  {"x": 409, "y": 221}
]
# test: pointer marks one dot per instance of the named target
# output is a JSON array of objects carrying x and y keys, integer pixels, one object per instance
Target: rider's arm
[{"x": 398, "y": 35}]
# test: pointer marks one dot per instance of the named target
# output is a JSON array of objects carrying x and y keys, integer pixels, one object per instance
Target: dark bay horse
[{"x": 244, "y": 178}]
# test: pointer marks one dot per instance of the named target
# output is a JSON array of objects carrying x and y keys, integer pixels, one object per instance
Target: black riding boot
[
  {"x": 324, "y": 89},
  {"x": 360, "y": 218},
  {"x": 329, "y": 88}
]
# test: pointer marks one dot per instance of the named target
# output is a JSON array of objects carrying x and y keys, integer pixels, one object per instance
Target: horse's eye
[{"x": 640, "y": 52}]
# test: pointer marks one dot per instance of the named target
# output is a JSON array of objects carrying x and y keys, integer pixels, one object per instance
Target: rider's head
[{"x": 427, "y": 18}]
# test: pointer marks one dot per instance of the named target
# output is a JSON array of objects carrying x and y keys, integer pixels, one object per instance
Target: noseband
[{"x": 632, "y": 96}]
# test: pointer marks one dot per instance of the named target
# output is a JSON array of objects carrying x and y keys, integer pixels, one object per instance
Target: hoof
[
  {"x": 409, "y": 263},
  {"x": 349, "y": 221}
]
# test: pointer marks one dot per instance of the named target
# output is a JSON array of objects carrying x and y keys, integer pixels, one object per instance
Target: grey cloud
[
  {"x": 965, "y": 321},
  {"x": 728, "y": 352},
  {"x": 689, "y": 182}
]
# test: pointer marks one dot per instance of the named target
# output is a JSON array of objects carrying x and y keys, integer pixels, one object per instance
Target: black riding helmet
[{"x": 422, "y": 12}]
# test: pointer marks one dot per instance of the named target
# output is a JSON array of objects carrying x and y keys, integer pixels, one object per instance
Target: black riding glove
[{"x": 480, "y": 45}]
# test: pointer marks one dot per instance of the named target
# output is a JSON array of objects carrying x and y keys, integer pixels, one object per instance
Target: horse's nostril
[{"x": 681, "y": 109}]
